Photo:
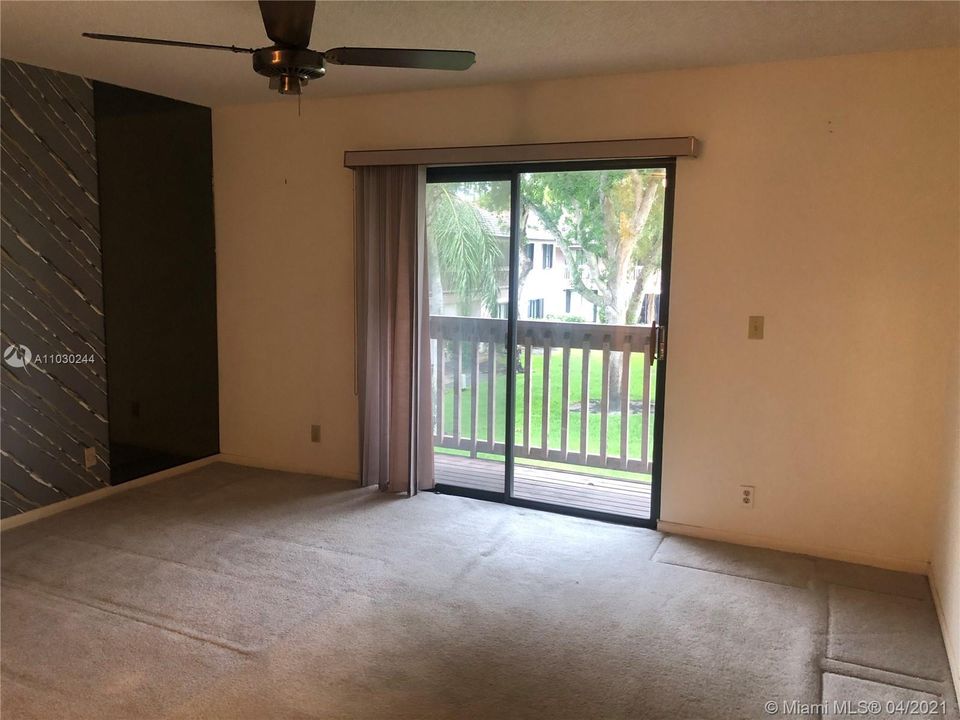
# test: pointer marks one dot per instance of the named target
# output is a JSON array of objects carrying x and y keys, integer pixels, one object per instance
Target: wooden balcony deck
[{"x": 546, "y": 485}]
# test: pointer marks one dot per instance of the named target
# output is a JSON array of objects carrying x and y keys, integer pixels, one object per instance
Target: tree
[
  {"x": 463, "y": 255},
  {"x": 463, "y": 252},
  {"x": 609, "y": 224}
]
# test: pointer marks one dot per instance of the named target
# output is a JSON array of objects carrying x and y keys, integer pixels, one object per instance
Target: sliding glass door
[
  {"x": 568, "y": 268},
  {"x": 468, "y": 276}
]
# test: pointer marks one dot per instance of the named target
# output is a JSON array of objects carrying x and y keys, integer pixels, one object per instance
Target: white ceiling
[{"x": 513, "y": 40}]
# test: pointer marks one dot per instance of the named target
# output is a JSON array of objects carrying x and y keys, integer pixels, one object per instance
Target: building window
[
  {"x": 567, "y": 300},
  {"x": 502, "y": 310},
  {"x": 595, "y": 313},
  {"x": 535, "y": 309},
  {"x": 547, "y": 256},
  {"x": 528, "y": 251}
]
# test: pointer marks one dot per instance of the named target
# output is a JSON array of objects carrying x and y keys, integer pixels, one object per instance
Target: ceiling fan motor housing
[{"x": 291, "y": 67}]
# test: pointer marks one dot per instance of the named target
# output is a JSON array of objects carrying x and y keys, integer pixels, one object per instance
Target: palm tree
[
  {"x": 463, "y": 252},
  {"x": 463, "y": 256}
]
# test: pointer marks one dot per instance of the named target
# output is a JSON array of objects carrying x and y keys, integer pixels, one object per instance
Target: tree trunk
[
  {"x": 616, "y": 370},
  {"x": 613, "y": 382},
  {"x": 626, "y": 297},
  {"x": 636, "y": 297}
]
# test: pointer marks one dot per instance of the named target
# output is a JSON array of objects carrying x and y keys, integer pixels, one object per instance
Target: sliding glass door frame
[{"x": 512, "y": 174}]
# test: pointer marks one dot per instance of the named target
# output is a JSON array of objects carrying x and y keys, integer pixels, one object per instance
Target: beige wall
[
  {"x": 945, "y": 566},
  {"x": 826, "y": 199}
]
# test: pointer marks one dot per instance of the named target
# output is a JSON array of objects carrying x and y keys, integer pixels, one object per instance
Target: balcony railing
[{"x": 465, "y": 351}]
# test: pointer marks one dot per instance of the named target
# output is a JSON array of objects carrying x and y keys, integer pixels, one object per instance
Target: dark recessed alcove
[{"x": 159, "y": 279}]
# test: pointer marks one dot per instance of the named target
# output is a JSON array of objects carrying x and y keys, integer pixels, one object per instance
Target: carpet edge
[
  {"x": 768, "y": 543},
  {"x": 56, "y": 508}
]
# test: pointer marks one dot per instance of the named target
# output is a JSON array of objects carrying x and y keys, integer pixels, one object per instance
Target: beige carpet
[{"x": 232, "y": 592}]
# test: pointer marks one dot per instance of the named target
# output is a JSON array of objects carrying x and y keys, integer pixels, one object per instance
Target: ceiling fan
[{"x": 290, "y": 64}]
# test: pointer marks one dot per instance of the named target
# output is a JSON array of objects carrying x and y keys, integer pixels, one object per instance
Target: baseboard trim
[
  {"x": 953, "y": 659},
  {"x": 248, "y": 461},
  {"x": 760, "y": 541},
  {"x": 94, "y": 495}
]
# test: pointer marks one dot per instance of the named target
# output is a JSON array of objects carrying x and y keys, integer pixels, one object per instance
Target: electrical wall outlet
[
  {"x": 89, "y": 457},
  {"x": 315, "y": 433},
  {"x": 746, "y": 495},
  {"x": 755, "y": 327}
]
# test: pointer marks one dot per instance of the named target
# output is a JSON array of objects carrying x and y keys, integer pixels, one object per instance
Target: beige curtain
[{"x": 393, "y": 386}]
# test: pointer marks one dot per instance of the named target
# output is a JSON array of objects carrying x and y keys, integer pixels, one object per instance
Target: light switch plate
[
  {"x": 755, "y": 327},
  {"x": 89, "y": 457},
  {"x": 315, "y": 433}
]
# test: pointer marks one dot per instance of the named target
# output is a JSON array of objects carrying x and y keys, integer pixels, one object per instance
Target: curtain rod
[{"x": 637, "y": 149}]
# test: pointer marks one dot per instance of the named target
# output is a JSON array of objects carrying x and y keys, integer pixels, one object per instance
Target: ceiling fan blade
[
  {"x": 288, "y": 22},
  {"x": 174, "y": 43},
  {"x": 402, "y": 58}
]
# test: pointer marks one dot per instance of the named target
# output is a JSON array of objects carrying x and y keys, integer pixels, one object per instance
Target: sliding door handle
[
  {"x": 654, "y": 344},
  {"x": 658, "y": 342}
]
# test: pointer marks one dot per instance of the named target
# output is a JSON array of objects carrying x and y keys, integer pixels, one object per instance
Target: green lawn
[{"x": 634, "y": 430}]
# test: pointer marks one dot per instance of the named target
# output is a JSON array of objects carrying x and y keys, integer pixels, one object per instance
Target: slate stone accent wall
[{"x": 52, "y": 290}]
